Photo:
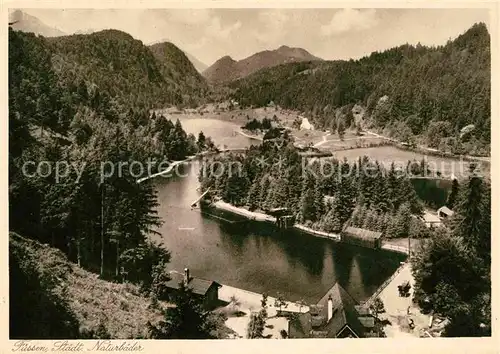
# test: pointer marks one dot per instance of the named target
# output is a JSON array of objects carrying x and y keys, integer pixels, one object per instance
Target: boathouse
[
  {"x": 206, "y": 290},
  {"x": 336, "y": 315},
  {"x": 361, "y": 237},
  {"x": 284, "y": 219}
]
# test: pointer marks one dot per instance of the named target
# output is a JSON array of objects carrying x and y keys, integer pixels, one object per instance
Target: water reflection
[{"x": 258, "y": 257}]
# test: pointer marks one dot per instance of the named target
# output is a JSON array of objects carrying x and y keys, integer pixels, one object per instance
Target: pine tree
[
  {"x": 201, "y": 142},
  {"x": 253, "y": 199},
  {"x": 452, "y": 197},
  {"x": 471, "y": 220},
  {"x": 319, "y": 204},
  {"x": 331, "y": 221},
  {"x": 187, "y": 320}
]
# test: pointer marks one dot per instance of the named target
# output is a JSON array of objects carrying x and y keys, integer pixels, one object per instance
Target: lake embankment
[
  {"x": 262, "y": 217},
  {"x": 257, "y": 216},
  {"x": 250, "y": 136}
]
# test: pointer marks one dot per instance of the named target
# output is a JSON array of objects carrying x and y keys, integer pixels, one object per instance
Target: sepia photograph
[{"x": 248, "y": 173}]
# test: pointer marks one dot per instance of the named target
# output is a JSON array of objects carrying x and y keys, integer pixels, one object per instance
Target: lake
[
  {"x": 387, "y": 154},
  {"x": 257, "y": 258}
]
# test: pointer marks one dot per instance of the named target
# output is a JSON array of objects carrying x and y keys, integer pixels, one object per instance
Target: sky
[{"x": 209, "y": 34}]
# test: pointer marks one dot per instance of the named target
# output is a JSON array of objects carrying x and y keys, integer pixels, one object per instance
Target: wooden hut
[{"x": 361, "y": 237}]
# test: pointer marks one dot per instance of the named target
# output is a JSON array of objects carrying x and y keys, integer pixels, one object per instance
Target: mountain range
[
  {"x": 125, "y": 68},
  {"x": 227, "y": 69},
  {"x": 27, "y": 23},
  {"x": 408, "y": 92}
]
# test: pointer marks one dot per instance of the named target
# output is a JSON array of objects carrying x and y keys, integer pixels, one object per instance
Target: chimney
[
  {"x": 186, "y": 276},
  {"x": 330, "y": 308}
]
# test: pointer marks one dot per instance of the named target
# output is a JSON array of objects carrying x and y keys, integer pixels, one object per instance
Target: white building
[{"x": 305, "y": 125}]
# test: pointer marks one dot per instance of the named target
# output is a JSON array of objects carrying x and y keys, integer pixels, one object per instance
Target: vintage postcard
[{"x": 281, "y": 175}]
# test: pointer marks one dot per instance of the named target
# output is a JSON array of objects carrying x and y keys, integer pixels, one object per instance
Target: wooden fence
[{"x": 383, "y": 286}]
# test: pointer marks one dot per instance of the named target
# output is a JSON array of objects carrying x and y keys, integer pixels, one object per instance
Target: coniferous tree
[
  {"x": 187, "y": 320},
  {"x": 452, "y": 197}
]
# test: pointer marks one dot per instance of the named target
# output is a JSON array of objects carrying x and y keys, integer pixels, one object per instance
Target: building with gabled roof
[
  {"x": 361, "y": 237},
  {"x": 207, "y": 290},
  {"x": 444, "y": 212},
  {"x": 336, "y": 315}
]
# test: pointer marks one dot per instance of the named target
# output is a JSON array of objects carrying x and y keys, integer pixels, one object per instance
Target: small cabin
[
  {"x": 361, "y": 237},
  {"x": 444, "y": 212},
  {"x": 206, "y": 290}
]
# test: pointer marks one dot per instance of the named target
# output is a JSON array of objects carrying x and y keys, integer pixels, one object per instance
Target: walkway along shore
[
  {"x": 425, "y": 150},
  {"x": 252, "y": 215},
  {"x": 254, "y": 137},
  {"x": 256, "y": 216},
  {"x": 173, "y": 165}
]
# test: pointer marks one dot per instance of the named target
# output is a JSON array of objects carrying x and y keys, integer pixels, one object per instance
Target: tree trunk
[
  {"x": 78, "y": 251},
  {"x": 102, "y": 230},
  {"x": 117, "y": 256}
]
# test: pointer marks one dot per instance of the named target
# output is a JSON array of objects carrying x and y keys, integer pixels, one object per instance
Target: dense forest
[
  {"x": 426, "y": 94},
  {"x": 102, "y": 224},
  {"x": 453, "y": 269},
  {"x": 326, "y": 195},
  {"x": 128, "y": 70}
]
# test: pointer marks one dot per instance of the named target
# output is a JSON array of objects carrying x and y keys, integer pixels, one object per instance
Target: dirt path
[{"x": 396, "y": 308}]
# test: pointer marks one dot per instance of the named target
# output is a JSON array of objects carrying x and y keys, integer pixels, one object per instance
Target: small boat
[{"x": 186, "y": 228}]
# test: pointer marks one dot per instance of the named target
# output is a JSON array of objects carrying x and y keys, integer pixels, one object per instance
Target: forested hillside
[
  {"x": 101, "y": 218},
  {"x": 409, "y": 92},
  {"x": 126, "y": 69}
]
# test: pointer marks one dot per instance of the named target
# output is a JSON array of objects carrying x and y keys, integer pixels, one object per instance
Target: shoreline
[
  {"x": 253, "y": 137},
  {"x": 424, "y": 150},
  {"x": 173, "y": 165},
  {"x": 256, "y": 216},
  {"x": 261, "y": 217}
]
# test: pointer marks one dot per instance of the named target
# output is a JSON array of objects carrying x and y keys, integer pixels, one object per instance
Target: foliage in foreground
[
  {"x": 52, "y": 298},
  {"x": 453, "y": 270},
  {"x": 187, "y": 319}
]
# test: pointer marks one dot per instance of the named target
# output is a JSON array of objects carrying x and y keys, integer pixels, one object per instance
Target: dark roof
[
  {"x": 362, "y": 233},
  {"x": 197, "y": 285},
  {"x": 314, "y": 323},
  {"x": 278, "y": 211},
  {"x": 344, "y": 311}
]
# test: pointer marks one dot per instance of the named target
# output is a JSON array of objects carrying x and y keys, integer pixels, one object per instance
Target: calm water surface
[{"x": 256, "y": 258}]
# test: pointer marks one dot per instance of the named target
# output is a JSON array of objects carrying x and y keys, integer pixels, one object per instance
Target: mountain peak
[
  {"x": 227, "y": 58},
  {"x": 26, "y": 23},
  {"x": 227, "y": 69}
]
